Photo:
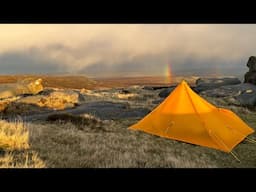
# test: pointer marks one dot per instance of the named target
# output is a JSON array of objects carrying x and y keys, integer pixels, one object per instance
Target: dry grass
[
  {"x": 13, "y": 136},
  {"x": 63, "y": 145},
  {"x": 15, "y": 148},
  {"x": 68, "y": 141},
  {"x": 84, "y": 122},
  {"x": 22, "y": 160}
]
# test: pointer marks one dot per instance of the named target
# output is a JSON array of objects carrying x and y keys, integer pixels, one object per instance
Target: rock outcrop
[
  {"x": 47, "y": 100},
  {"x": 164, "y": 93},
  {"x": 109, "y": 110},
  {"x": 154, "y": 87},
  {"x": 103, "y": 110},
  {"x": 55, "y": 100},
  {"x": 26, "y": 86},
  {"x": 5, "y": 103},
  {"x": 243, "y": 94},
  {"x": 250, "y": 76},
  {"x": 203, "y": 84}
]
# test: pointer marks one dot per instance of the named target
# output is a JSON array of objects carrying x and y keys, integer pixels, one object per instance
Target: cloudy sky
[{"x": 126, "y": 49}]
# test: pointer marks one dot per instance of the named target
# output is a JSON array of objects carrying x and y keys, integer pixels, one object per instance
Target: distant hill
[
  {"x": 147, "y": 80},
  {"x": 56, "y": 81},
  {"x": 80, "y": 81}
]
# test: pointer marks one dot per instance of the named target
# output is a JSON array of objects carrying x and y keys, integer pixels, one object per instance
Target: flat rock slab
[
  {"x": 244, "y": 93},
  {"x": 158, "y": 101},
  {"x": 109, "y": 110},
  {"x": 164, "y": 93},
  {"x": 155, "y": 87},
  {"x": 203, "y": 84},
  {"x": 103, "y": 110}
]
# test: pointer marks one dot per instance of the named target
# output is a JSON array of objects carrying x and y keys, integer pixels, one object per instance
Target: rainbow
[{"x": 169, "y": 74}]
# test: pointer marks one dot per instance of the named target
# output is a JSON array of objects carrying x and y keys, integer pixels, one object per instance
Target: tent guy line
[{"x": 187, "y": 117}]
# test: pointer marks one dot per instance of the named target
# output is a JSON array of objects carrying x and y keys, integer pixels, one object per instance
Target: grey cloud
[
  {"x": 36, "y": 60},
  {"x": 132, "y": 49},
  {"x": 145, "y": 65},
  {"x": 56, "y": 47},
  {"x": 148, "y": 65},
  {"x": 27, "y": 62}
]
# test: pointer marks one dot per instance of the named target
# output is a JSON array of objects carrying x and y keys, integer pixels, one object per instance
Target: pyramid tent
[{"x": 185, "y": 116}]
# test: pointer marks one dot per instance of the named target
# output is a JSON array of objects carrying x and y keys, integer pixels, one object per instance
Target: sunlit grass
[
  {"x": 15, "y": 147},
  {"x": 23, "y": 160},
  {"x": 72, "y": 141},
  {"x": 13, "y": 136}
]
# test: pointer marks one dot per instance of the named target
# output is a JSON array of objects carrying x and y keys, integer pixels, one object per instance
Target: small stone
[{"x": 249, "y": 91}]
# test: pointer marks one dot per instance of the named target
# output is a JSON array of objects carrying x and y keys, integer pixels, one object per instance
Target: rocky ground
[
  {"x": 65, "y": 127},
  {"x": 88, "y": 128}
]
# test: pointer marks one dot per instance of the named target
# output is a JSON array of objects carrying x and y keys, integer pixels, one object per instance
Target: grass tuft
[
  {"x": 13, "y": 135},
  {"x": 15, "y": 147}
]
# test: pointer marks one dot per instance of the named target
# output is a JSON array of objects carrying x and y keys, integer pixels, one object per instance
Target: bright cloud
[{"x": 74, "y": 48}]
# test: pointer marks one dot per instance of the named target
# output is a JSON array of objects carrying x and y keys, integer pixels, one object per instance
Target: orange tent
[{"x": 187, "y": 117}]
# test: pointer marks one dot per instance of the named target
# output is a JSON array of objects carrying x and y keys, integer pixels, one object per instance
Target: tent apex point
[
  {"x": 195, "y": 121},
  {"x": 183, "y": 81}
]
